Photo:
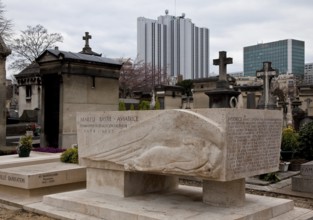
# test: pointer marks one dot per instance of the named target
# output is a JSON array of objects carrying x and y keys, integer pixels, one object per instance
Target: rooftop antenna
[{"x": 175, "y": 8}]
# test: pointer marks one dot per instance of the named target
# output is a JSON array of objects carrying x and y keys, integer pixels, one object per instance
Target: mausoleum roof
[
  {"x": 80, "y": 57},
  {"x": 31, "y": 70}
]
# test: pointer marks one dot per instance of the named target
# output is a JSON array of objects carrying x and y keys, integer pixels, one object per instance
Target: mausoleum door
[{"x": 51, "y": 85}]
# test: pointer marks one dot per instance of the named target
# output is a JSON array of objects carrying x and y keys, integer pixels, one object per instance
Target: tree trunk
[{"x": 4, "y": 52}]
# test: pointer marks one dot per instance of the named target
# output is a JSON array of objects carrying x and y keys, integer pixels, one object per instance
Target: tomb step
[
  {"x": 296, "y": 214},
  {"x": 180, "y": 204},
  {"x": 57, "y": 213},
  {"x": 34, "y": 158}
]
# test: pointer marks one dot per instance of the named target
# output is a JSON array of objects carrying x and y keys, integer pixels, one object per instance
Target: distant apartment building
[
  {"x": 287, "y": 56},
  {"x": 174, "y": 45}
]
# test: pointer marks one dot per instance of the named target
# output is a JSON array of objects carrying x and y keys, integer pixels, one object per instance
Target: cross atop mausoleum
[
  {"x": 87, "y": 49},
  {"x": 222, "y": 61},
  {"x": 86, "y": 39}
]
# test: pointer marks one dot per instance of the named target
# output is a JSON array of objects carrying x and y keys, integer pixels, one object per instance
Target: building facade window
[{"x": 28, "y": 92}]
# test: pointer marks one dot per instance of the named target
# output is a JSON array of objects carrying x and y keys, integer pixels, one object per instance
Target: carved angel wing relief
[{"x": 179, "y": 142}]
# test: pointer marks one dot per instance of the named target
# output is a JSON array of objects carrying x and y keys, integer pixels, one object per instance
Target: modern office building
[
  {"x": 287, "y": 56},
  {"x": 174, "y": 45}
]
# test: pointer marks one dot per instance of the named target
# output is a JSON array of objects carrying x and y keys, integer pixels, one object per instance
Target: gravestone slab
[
  {"x": 37, "y": 176},
  {"x": 27, "y": 184},
  {"x": 304, "y": 182}
]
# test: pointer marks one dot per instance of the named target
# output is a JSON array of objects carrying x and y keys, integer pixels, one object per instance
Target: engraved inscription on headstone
[
  {"x": 106, "y": 124},
  {"x": 12, "y": 180},
  {"x": 48, "y": 178},
  {"x": 250, "y": 139}
]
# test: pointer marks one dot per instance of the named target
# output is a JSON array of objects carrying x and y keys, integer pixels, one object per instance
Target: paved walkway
[{"x": 281, "y": 187}]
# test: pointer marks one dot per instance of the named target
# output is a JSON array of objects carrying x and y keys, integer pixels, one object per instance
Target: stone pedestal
[
  {"x": 124, "y": 184},
  {"x": 222, "y": 96},
  {"x": 225, "y": 194},
  {"x": 304, "y": 182}
]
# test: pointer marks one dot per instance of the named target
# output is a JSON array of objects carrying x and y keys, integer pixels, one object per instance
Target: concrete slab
[
  {"x": 183, "y": 203},
  {"x": 302, "y": 183},
  {"x": 34, "y": 158},
  {"x": 296, "y": 214},
  {"x": 283, "y": 187},
  {"x": 27, "y": 184},
  {"x": 34, "y": 176}
]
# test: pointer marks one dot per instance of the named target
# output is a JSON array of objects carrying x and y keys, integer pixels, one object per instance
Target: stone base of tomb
[
  {"x": 304, "y": 181},
  {"x": 35, "y": 158},
  {"x": 185, "y": 202},
  {"x": 27, "y": 184}
]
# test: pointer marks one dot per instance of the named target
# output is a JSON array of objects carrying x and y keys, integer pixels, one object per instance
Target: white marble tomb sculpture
[{"x": 134, "y": 149}]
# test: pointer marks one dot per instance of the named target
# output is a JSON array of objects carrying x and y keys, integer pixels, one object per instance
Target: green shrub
[
  {"x": 270, "y": 177},
  {"x": 132, "y": 107},
  {"x": 70, "y": 155},
  {"x": 157, "y": 104},
  {"x": 144, "y": 105},
  {"x": 121, "y": 106},
  {"x": 290, "y": 140},
  {"x": 306, "y": 141}
]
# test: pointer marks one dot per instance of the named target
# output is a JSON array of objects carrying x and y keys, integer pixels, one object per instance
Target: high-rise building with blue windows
[
  {"x": 287, "y": 56},
  {"x": 175, "y": 45}
]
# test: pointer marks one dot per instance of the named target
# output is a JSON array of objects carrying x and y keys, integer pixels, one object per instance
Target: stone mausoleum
[{"x": 71, "y": 83}]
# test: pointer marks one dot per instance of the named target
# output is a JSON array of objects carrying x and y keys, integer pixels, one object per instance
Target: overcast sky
[{"x": 233, "y": 24}]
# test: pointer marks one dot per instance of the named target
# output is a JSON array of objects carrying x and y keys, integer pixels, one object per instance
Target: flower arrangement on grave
[
  {"x": 25, "y": 146},
  {"x": 289, "y": 142}
]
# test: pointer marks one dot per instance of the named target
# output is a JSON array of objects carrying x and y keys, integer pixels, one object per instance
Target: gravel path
[{"x": 13, "y": 213}]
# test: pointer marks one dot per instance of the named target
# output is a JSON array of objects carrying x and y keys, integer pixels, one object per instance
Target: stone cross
[
  {"x": 308, "y": 101},
  {"x": 267, "y": 73},
  {"x": 86, "y": 38},
  {"x": 222, "y": 61}
]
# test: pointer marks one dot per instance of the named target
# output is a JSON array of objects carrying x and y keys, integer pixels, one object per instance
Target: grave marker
[
  {"x": 223, "y": 96},
  {"x": 304, "y": 181},
  {"x": 267, "y": 73}
]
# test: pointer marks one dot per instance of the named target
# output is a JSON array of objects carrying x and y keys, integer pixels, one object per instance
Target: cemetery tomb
[
  {"x": 134, "y": 159},
  {"x": 34, "y": 181},
  {"x": 304, "y": 181}
]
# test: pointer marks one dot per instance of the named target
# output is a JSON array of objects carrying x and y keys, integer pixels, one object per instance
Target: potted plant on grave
[
  {"x": 25, "y": 146},
  {"x": 289, "y": 143}
]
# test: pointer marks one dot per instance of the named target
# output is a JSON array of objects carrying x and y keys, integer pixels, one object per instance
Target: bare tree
[
  {"x": 138, "y": 76},
  {"x": 30, "y": 44},
  {"x": 6, "y": 25}
]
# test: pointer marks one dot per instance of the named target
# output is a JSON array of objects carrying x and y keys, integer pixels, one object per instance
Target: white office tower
[{"x": 174, "y": 45}]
